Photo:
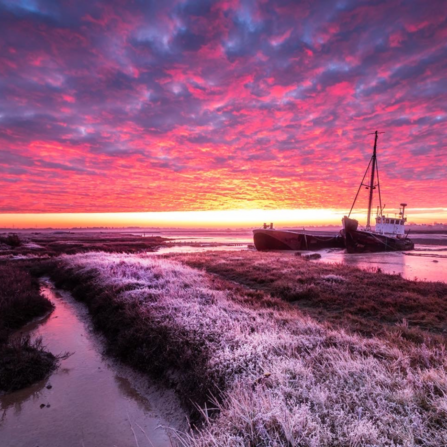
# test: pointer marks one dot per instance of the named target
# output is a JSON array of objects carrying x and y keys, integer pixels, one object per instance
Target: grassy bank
[
  {"x": 22, "y": 362},
  {"x": 344, "y": 296},
  {"x": 264, "y": 372}
]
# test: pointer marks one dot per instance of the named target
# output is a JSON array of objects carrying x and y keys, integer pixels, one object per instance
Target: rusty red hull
[
  {"x": 368, "y": 242},
  {"x": 359, "y": 241},
  {"x": 270, "y": 239}
]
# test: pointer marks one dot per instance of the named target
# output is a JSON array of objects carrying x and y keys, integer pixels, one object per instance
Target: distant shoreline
[{"x": 323, "y": 228}]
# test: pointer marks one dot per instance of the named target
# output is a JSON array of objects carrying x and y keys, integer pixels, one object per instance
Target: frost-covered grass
[
  {"x": 277, "y": 377},
  {"x": 32, "y": 245},
  {"x": 345, "y": 296},
  {"x": 51, "y": 243}
]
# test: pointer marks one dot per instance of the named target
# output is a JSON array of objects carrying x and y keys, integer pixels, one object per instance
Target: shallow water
[
  {"x": 426, "y": 262},
  {"x": 421, "y": 264},
  {"x": 196, "y": 249},
  {"x": 89, "y": 400}
]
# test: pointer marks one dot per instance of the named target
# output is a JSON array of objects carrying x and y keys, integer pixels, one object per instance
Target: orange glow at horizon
[{"x": 204, "y": 219}]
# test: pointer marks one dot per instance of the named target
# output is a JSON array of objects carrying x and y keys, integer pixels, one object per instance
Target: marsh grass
[
  {"x": 22, "y": 362},
  {"x": 260, "y": 371},
  {"x": 52, "y": 244},
  {"x": 20, "y": 300},
  {"x": 362, "y": 301},
  {"x": 12, "y": 240}
]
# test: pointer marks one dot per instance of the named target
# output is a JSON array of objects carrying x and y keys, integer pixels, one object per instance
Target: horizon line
[{"x": 241, "y": 218}]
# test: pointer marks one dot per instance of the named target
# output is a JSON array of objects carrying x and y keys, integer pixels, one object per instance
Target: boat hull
[
  {"x": 360, "y": 241},
  {"x": 270, "y": 239},
  {"x": 368, "y": 242}
]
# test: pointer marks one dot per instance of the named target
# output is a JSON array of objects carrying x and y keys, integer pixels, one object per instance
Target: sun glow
[{"x": 202, "y": 219}]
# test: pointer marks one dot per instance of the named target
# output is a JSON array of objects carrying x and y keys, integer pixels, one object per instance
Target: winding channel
[{"x": 90, "y": 400}]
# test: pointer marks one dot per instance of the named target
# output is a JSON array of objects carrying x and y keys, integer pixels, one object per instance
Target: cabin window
[{"x": 387, "y": 221}]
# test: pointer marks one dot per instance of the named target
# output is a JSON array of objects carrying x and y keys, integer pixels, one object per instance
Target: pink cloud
[{"x": 197, "y": 105}]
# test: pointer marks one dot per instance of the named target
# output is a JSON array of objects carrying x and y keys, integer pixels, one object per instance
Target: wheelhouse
[
  {"x": 392, "y": 225},
  {"x": 387, "y": 225}
]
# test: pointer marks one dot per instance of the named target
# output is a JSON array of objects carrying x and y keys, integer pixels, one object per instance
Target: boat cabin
[
  {"x": 390, "y": 225},
  {"x": 387, "y": 225}
]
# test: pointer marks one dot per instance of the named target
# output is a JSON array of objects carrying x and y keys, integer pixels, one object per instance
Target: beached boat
[
  {"x": 269, "y": 238},
  {"x": 389, "y": 232}
]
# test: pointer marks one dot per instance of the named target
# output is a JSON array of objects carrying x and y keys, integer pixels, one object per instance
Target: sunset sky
[{"x": 174, "y": 106}]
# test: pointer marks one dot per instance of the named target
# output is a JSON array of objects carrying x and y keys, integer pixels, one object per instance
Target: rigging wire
[
  {"x": 378, "y": 186},
  {"x": 360, "y": 187}
]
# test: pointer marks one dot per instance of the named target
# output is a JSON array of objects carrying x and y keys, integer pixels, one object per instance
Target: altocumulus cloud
[{"x": 183, "y": 105}]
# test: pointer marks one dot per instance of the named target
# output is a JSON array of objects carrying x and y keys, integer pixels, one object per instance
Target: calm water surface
[
  {"x": 89, "y": 401},
  {"x": 426, "y": 262},
  {"x": 422, "y": 264}
]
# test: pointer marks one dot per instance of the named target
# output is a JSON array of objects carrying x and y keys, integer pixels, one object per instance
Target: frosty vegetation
[{"x": 276, "y": 376}]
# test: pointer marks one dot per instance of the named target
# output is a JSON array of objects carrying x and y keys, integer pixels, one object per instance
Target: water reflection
[
  {"x": 412, "y": 265},
  {"x": 426, "y": 262},
  {"x": 86, "y": 401},
  {"x": 13, "y": 402}
]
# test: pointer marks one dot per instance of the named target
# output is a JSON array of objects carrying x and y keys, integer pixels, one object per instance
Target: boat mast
[{"x": 371, "y": 184}]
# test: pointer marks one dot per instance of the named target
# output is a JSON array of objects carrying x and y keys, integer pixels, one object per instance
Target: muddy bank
[
  {"x": 89, "y": 400},
  {"x": 429, "y": 241},
  {"x": 263, "y": 372},
  {"x": 22, "y": 362},
  {"x": 20, "y": 298}
]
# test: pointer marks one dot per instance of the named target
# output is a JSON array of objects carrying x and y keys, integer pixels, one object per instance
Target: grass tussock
[
  {"x": 12, "y": 240},
  {"x": 20, "y": 300},
  {"x": 263, "y": 373},
  {"x": 22, "y": 362}
]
